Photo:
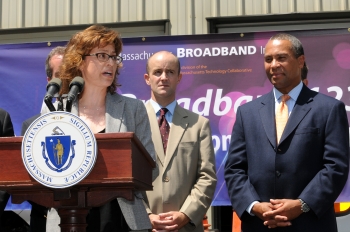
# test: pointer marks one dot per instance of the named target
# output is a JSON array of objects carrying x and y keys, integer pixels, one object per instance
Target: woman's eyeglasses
[{"x": 104, "y": 57}]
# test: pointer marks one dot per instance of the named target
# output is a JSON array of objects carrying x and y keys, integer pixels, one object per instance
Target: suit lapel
[
  {"x": 301, "y": 108},
  {"x": 177, "y": 129},
  {"x": 267, "y": 116},
  {"x": 114, "y": 113},
  {"x": 156, "y": 137}
]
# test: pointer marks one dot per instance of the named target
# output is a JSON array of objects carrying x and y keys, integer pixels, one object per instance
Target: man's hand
[
  {"x": 162, "y": 224},
  {"x": 261, "y": 209},
  {"x": 284, "y": 210},
  {"x": 170, "y": 221}
]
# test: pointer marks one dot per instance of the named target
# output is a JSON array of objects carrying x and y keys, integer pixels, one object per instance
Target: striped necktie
[{"x": 164, "y": 127}]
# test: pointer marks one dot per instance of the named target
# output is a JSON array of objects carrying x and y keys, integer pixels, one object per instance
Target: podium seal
[{"x": 59, "y": 149}]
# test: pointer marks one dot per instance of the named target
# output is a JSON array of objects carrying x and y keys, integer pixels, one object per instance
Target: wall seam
[
  {"x": 23, "y": 15},
  {"x": 1, "y": 9}
]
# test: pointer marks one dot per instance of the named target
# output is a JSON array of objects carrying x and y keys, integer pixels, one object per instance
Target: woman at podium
[{"x": 93, "y": 54}]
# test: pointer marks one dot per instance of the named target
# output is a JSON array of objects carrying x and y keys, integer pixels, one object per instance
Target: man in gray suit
[{"x": 185, "y": 186}]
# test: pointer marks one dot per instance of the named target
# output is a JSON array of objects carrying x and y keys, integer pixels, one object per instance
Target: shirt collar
[
  {"x": 157, "y": 107},
  {"x": 294, "y": 93}
]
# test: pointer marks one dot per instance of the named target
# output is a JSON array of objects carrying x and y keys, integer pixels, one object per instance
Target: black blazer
[
  {"x": 6, "y": 130},
  {"x": 27, "y": 123},
  {"x": 38, "y": 214},
  {"x": 6, "y": 127},
  {"x": 311, "y": 161}
]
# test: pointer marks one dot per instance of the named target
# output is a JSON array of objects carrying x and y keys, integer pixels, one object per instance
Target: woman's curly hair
[{"x": 81, "y": 44}]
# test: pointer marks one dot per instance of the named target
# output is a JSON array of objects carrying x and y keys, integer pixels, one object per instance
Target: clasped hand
[
  {"x": 277, "y": 212},
  {"x": 171, "y": 221}
]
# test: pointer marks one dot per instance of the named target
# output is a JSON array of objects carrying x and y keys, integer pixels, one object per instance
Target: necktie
[
  {"x": 281, "y": 116},
  {"x": 164, "y": 127}
]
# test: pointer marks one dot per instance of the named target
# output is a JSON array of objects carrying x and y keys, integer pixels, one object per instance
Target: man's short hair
[
  {"x": 297, "y": 47},
  {"x": 59, "y": 50},
  {"x": 304, "y": 71}
]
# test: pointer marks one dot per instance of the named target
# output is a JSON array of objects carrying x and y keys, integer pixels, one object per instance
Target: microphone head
[
  {"x": 54, "y": 82},
  {"x": 77, "y": 81}
]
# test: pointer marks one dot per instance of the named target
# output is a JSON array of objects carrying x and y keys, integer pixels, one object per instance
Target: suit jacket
[
  {"x": 187, "y": 178},
  {"x": 38, "y": 214},
  {"x": 311, "y": 162},
  {"x": 125, "y": 114},
  {"x": 27, "y": 122},
  {"x": 6, "y": 130},
  {"x": 6, "y": 127}
]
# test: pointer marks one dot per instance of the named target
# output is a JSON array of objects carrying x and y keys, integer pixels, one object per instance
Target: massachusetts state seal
[{"x": 59, "y": 149}]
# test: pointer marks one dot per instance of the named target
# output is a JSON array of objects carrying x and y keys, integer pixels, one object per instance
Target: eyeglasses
[{"x": 104, "y": 57}]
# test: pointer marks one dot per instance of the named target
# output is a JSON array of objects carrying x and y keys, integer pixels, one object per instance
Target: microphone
[
  {"x": 52, "y": 88},
  {"x": 75, "y": 87}
]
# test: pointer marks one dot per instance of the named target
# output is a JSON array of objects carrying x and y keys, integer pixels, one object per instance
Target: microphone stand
[
  {"x": 68, "y": 106},
  {"x": 48, "y": 102},
  {"x": 60, "y": 104},
  {"x": 59, "y": 99}
]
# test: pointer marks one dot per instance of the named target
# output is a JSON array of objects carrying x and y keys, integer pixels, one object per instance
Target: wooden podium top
[
  {"x": 122, "y": 166},
  {"x": 122, "y": 161}
]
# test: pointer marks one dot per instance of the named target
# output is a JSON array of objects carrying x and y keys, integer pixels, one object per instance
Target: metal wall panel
[
  {"x": 308, "y": 6},
  {"x": 156, "y": 9},
  {"x": 230, "y": 7},
  {"x": 329, "y": 5},
  {"x": 83, "y": 12},
  {"x": 58, "y": 12},
  {"x": 65, "y": 35},
  {"x": 186, "y": 16},
  {"x": 252, "y": 7},
  {"x": 202, "y": 9},
  {"x": 280, "y": 7},
  {"x": 107, "y": 11},
  {"x": 37, "y": 8},
  {"x": 11, "y": 13}
]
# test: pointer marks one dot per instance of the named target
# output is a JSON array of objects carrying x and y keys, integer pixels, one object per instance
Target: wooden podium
[{"x": 123, "y": 165}]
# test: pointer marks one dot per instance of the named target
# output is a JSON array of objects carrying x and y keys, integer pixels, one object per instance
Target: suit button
[
  {"x": 278, "y": 173},
  {"x": 166, "y": 179},
  {"x": 279, "y": 150}
]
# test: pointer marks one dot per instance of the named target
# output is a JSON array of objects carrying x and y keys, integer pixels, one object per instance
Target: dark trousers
[
  {"x": 38, "y": 217},
  {"x": 106, "y": 218},
  {"x": 4, "y": 197}
]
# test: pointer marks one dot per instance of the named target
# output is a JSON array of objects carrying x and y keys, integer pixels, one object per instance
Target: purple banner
[{"x": 220, "y": 73}]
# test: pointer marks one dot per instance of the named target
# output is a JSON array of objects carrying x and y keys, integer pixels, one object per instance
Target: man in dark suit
[
  {"x": 38, "y": 214},
  {"x": 6, "y": 130},
  {"x": 52, "y": 64},
  {"x": 27, "y": 123},
  {"x": 289, "y": 185}
]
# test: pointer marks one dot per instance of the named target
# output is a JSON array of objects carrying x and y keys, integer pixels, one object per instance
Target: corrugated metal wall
[{"x": 186, "y": 16}]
